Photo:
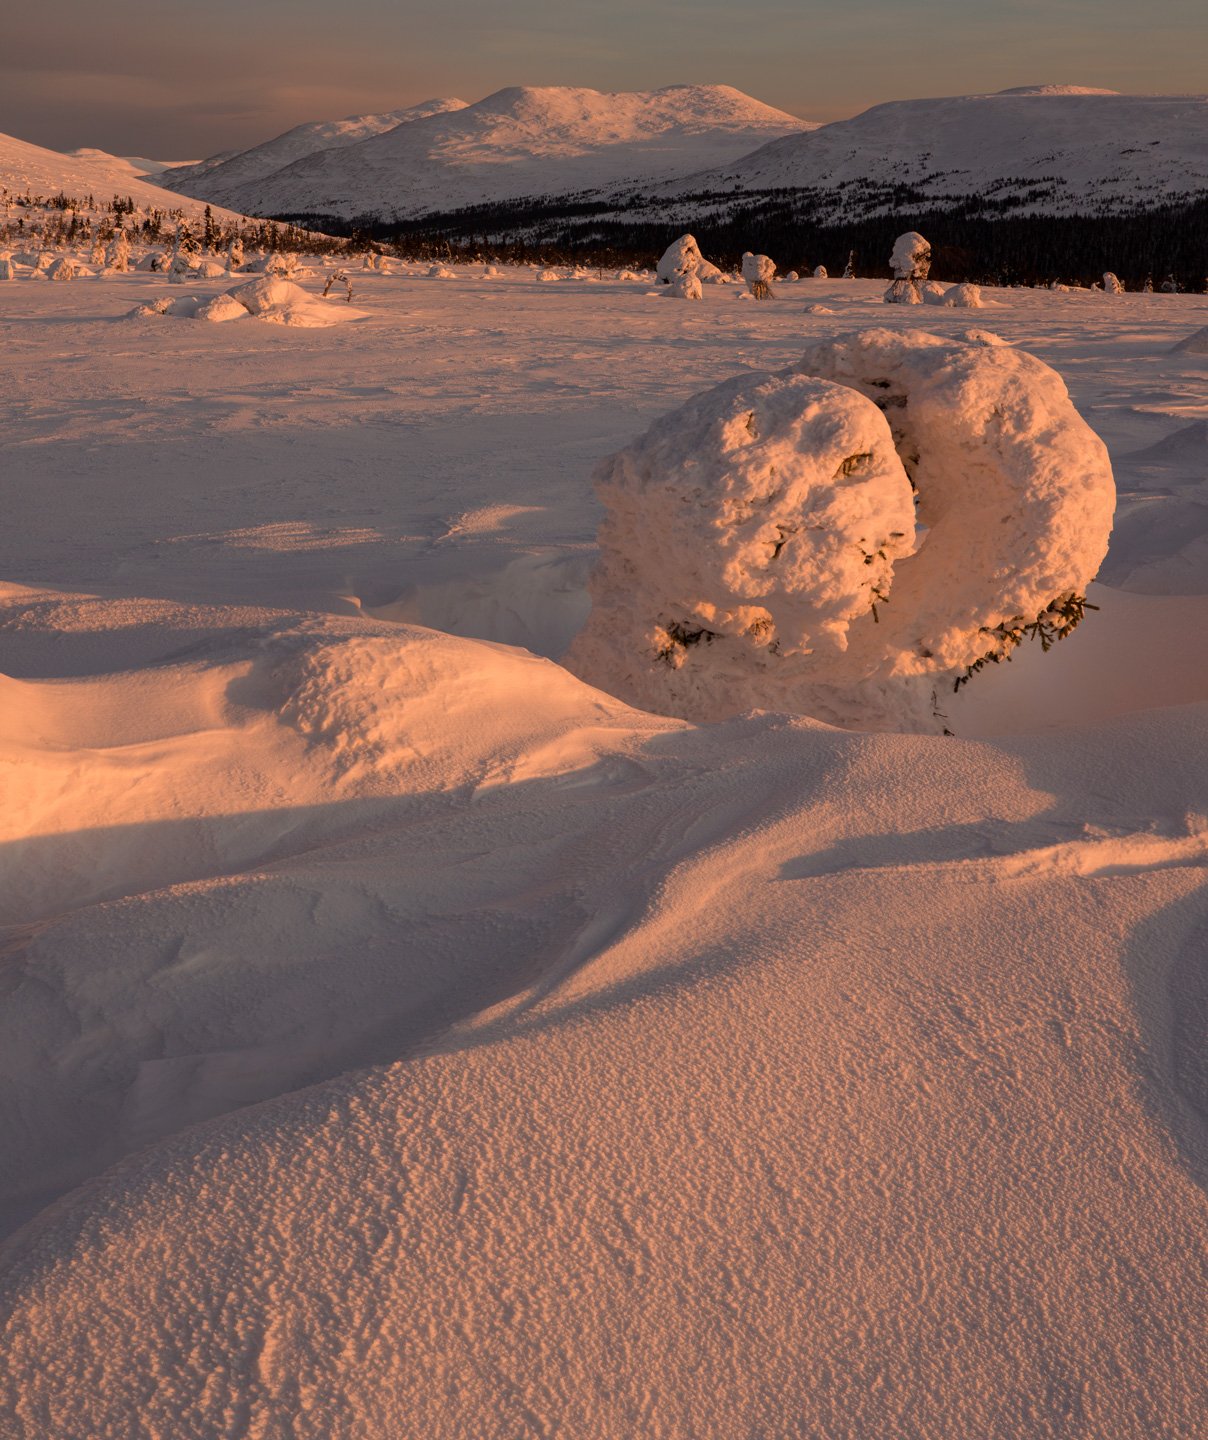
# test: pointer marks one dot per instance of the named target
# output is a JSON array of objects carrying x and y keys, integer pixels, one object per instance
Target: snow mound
[
  {"x": 759, "y": 544},
  {"x": 277, "y": 301},
  {"x": 966, "y": 296}
]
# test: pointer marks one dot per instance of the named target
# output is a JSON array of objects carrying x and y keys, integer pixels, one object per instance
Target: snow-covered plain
[{"x": 473, "y": 1055}]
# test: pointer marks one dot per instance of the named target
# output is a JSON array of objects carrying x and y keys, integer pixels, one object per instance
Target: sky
[{"x": 171, "y": 79}]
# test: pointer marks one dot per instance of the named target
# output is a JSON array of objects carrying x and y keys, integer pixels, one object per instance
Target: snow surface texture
[
  {"x": 524, "y": 140},
  {"x": 492, "y": 1059}
]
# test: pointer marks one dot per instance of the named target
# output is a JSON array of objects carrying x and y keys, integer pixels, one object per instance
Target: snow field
[{"x": 488, "y": 1057}]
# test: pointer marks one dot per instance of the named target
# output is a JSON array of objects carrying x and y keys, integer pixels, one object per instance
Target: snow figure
[
  {"x": 758, "y": 271},
  {"x": 910, "y": 262},
  {"x": 820, "y": 272},
  {"x": 1111, "y": 284},
  {"x": 759, "y": 547},
  {"x": 849, "y": 270},
  {"x": 687, "y": 287},
  {"x": 117, "y": 257}
]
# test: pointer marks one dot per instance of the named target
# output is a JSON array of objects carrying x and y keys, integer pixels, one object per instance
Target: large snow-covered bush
[
  {"x": 910, "y": 263},
  {"x": 681, "y": 257},
  {"x": 745, "y": 533},
  {"x": 760, "y": 549}
]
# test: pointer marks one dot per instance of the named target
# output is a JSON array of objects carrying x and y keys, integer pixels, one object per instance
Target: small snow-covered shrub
[
  {"x": 1111, "y": 284},
  {"x": 64, "y": 268},
  {"x": 933, "y": 292},
  {"x": 545, "y": 277},
  {"x": 759, "y": 545},
  {"x": 441, "y": 272},
  {"x": 759, "y": 271},
  {"x": 792, "y": 277},
  {"x": 820, "y": 272},
  {"x": 964, "y": 297},
  {"x": 687, "y": 287}
]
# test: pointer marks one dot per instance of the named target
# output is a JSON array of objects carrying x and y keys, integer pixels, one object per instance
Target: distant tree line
[{"x": 978, "y": 239}]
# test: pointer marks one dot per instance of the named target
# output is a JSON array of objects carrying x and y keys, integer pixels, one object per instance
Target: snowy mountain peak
[
  {"x": 222, "y": 173},
  {"x": 522, "y": 140}
]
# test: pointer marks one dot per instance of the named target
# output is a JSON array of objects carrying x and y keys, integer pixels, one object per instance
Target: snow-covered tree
[
  {"x": 186, "y": 242},
  {"x": 1111, "y": 284},
  {"x": 234, "y": 254},
  {"x": 910, "y": 263},
  {"x": 117, "y": 256},
  {"x": 7, "y": 269},
  {"x": 96, "y": 249},
  {"x": 849, "y": 270},
  {"x": 1147, "y": 288},
  {"x": 1170, "y": 286},
  {"x": 759, "y": 546},
  {"x": 759, "y": 271}
]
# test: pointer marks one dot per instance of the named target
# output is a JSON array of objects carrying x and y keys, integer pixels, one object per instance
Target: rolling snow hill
[
  {"x": 30, "y": 169},
  {"x": 1043, "y": 149},
  {"x": 219, "y": 175},
  {"x": 519, "y": 141}
]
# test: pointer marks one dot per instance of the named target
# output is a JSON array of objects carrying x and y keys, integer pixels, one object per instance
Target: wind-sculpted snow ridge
[
  {"x": 519, "y": 141},
  {"x": 732, "y": 1076},
  {"x": 760, "y": 549},
  {"x": 215, "y": 177}
]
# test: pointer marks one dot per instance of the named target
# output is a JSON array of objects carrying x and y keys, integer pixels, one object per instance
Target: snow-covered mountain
[
  {"x": 219, "y": 176},
  {"x": 31, "y": 169},
  {"x": 519, "y": 141},
  {"x": 1039, "y": 149}
]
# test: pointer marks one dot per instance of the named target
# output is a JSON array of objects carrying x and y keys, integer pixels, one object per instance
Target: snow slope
[
  {"x": 520, "y": 141},
  {"x": 1044, "y": 149},
  {"x": 218, "y": 176},
  {"x": 474, "y": 1055},
  {"x": 26, "y": 168}
]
